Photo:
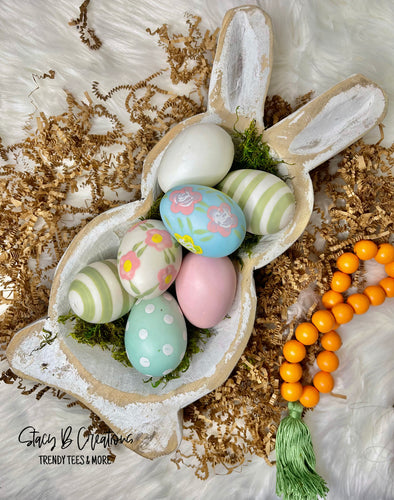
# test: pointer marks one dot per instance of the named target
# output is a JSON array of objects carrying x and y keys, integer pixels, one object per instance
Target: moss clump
[
  {"x": 109, "y": 336},
  {"x": 154, "y": 211},
  {"x": 251, "y": 151},
  {"x": 247, "y": 246}
]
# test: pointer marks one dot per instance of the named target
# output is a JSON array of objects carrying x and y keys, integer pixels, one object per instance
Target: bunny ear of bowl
[
  {"x": 311, "y": 135},
  {"x": 238, "y": 86},
  {"x": 242, "y": 67},
  {"x": 329, "y": 123}
]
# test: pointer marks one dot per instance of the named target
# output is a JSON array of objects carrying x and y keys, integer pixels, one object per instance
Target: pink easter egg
[{"x": 205, "y": 288}]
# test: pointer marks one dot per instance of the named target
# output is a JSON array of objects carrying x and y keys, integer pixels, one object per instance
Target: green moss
[
  {"x": 247, "y": 246},
  {"x": 251, "y": 151},
  {"x": 154, "y": 211},
  {"x": 109, "y": 336},
  {"x": 48, "y": 339}
]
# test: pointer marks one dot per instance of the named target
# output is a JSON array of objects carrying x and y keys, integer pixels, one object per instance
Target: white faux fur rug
[{"x": 316, "y": 44}]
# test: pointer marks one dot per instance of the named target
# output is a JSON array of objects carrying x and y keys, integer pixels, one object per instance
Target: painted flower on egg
[
  {"x": 159, "y": 239},
  {"x": 166, "y": 276},
  {"x": 183, "y": 200},
  {"x": 221, "y": 219},
  {"x": 187, "y": 242},
  {"x": 129, "y": 263}
]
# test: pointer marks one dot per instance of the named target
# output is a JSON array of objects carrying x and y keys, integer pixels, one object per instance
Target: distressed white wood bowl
[{"x": 151, "y": 418}]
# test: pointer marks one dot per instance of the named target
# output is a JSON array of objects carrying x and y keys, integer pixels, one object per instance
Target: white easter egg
[
  {"x": 267, "y": 202},
  {"x": 200, "y": 154},
  {"x": 96, "y": 294},
  {"x": 149, "y": 259}
]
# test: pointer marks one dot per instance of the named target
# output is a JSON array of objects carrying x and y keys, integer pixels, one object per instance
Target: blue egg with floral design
[{"x": 203, "y": 220}]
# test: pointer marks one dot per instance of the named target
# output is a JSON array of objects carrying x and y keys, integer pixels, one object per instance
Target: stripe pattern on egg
[
  {"x": 267, "y": 202},
  {"x": 96, "y": 294}
]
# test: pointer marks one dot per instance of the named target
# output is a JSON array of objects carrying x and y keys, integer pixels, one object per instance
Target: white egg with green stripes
[
  {"x": 96, "y": 294},
  {"x": 267, "y": 202}
]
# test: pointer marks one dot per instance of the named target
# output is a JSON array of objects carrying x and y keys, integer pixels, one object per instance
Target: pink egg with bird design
[{"x": 205, "y": 288}]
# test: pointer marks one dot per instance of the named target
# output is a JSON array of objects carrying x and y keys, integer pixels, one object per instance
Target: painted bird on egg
[
  {"x": 203, "y": 220},
  {"x": 149, "y": 259}
]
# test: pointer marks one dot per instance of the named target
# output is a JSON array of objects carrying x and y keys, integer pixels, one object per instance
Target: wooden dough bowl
[{"x": 152, "y": 417}]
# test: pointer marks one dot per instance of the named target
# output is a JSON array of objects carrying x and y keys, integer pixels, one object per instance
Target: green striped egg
[
  {"x": 96, "y": 294},
  {"x": 267, "y": 201}
]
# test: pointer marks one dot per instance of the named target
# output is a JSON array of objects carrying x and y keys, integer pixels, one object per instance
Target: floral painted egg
[
  {"x": 203, "y": 220},
  {"x": 148, "y": 259},
  {"x": 267, "y": 202},
  {"x": 201, "y": 154},
  {"x": 96, "y": 294},
  {"x": 205, "y": 289},
  {"x": 156, "y": 335}
]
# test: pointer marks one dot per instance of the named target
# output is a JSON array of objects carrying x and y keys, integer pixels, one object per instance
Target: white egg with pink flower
[{"x": 149, "y": 259}]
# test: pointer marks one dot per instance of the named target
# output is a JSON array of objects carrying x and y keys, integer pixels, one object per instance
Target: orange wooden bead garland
[{"x": 337, "y": 311}]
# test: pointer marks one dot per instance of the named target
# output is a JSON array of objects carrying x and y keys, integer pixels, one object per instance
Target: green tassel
[{"x": 296, "y": 478}]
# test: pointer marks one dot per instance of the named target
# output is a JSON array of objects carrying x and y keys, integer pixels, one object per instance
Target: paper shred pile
[{"x": 39, "y": 215}]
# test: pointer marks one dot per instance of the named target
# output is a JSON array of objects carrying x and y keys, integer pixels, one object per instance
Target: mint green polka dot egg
[{"x": 156, "y": 335}]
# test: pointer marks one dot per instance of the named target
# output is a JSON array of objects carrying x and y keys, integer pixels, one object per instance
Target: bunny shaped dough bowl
[{"x": 238, "y": 87}]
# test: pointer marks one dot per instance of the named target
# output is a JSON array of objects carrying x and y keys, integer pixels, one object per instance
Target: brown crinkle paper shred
[
  {"x": 39, "y": 217},
  {"x": 86, "y": 34}
]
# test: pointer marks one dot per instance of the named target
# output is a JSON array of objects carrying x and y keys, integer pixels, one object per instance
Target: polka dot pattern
[
  {"x": 144, "y": 362},
  {"x": 150, "y": 308},
  {"x": 168, "y": 319},
  {"x": 168, "y": 349},
  {"x": 143, "y": 334}
]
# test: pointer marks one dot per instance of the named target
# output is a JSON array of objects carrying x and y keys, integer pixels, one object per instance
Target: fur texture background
[{"x": 316, "y": 44}]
